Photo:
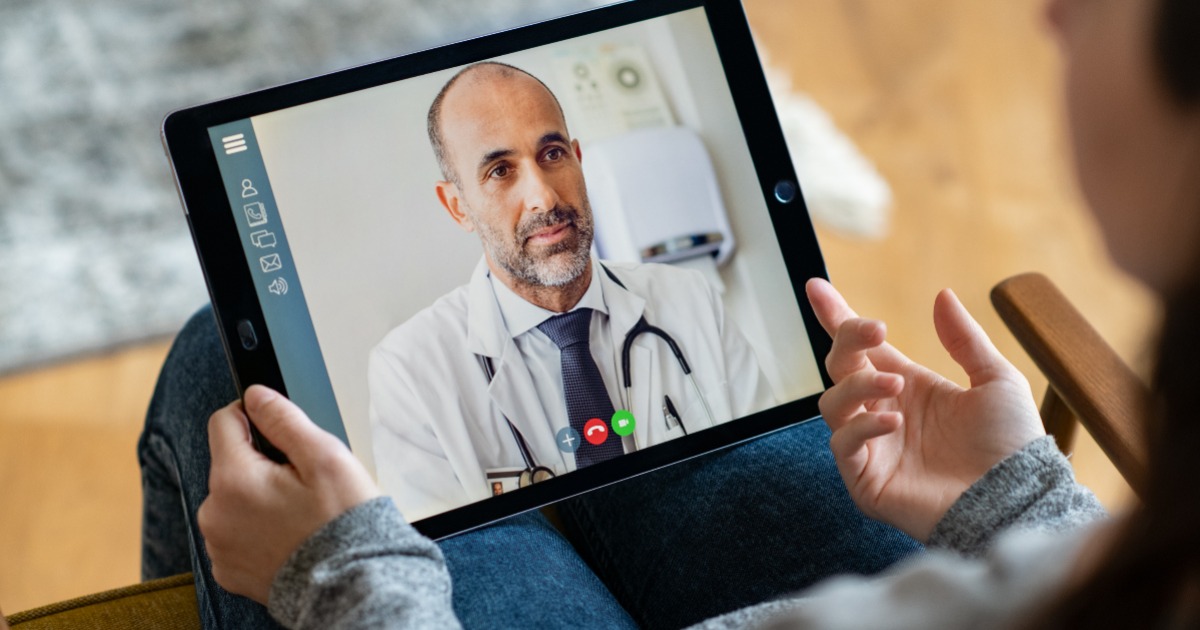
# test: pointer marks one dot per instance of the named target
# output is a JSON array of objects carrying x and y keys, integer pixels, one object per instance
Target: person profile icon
[{"x": 248, "y": 189}]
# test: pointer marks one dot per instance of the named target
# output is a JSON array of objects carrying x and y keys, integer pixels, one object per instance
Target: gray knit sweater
[{"x": 1000, "y": 550}]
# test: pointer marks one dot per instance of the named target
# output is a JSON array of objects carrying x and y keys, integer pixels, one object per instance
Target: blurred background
[{"x": 928, "y": 134}]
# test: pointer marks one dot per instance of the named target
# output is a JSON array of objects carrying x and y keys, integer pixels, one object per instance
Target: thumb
[
  {"x": 965, "y": 340},
  {"x": 286, "y": 426}
]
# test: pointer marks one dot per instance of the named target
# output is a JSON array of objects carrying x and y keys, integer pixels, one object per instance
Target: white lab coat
[{"x": 438, "y": 426}]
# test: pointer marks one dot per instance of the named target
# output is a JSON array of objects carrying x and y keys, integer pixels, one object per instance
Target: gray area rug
[{"x": 94, "y": 248}]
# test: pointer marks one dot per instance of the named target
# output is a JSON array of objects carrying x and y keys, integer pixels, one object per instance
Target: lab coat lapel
[
  {"x": 625, "y": 309},
  {"x": 486, "y": 335},
  {"x": 641, "y": 362},
  {"x": 511, "y": 389}
]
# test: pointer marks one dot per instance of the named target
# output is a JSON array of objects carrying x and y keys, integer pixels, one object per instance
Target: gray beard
[{"x": 551, "y": 270}]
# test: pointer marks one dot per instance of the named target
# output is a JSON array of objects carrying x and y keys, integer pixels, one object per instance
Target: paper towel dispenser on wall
[{"x": 655, "y": 197}]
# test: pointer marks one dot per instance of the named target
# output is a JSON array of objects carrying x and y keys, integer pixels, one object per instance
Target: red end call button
[{"x": 595, "y": 431}]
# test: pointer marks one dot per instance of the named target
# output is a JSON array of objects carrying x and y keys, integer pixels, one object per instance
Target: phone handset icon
[{"x": 595, "y": 431}]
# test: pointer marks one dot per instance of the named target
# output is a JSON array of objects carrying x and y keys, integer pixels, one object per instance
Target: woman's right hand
[
  {"x": 907, "y": 441},
  {"x": 257, "y": 511}
]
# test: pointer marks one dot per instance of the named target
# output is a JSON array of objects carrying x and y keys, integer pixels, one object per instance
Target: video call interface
[{"x": 497, "y": 274}]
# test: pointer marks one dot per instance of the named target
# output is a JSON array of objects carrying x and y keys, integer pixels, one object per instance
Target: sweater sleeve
[
  {"x": 367, "y": 568},
  {"x": 939, "y": 589},
  {"x": 1032, "y": 489},
  {"x": 1004, "y": 547}
]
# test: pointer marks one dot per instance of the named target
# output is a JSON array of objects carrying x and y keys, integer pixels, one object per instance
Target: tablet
[{"x": 518, "y": 268}]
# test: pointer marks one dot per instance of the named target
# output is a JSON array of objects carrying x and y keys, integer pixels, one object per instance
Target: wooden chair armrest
[{"x": 1088, "y": 376}]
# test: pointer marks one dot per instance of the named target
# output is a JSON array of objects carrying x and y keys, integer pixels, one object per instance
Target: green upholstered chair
[{"x": 167, "y": 604}]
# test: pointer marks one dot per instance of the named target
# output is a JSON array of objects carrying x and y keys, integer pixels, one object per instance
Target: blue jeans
[{"x": 663, "y": 550}]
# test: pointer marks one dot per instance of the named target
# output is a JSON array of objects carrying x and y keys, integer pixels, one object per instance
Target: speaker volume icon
[{"x": 278, "y": 286}]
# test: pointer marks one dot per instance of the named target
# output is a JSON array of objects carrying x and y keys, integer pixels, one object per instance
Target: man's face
[{"x": 520, "y": 183}]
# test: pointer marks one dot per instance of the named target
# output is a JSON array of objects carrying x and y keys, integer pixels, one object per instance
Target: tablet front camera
[{"x": 785, "y": 191}]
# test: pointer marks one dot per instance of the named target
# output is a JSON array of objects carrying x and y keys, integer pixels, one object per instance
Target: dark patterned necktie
[{"x": 582, "y": 385}]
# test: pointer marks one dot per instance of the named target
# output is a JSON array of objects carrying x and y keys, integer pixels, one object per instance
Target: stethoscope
[{"x": 535, "y": 473}]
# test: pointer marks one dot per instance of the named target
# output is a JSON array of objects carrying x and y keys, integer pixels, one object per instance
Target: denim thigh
[
  {"x": 517, "y": 573},
  {"x": 731, "y": 529}
]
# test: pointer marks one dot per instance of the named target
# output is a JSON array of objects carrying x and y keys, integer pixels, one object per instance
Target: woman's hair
[{"x": 1150, "y": 577}]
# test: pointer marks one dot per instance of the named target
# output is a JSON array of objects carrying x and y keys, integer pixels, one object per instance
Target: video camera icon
[{"x": 623, "y": 423}]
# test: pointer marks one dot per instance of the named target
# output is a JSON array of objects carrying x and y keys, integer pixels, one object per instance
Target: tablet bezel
[{"x": 228, "y": 274}]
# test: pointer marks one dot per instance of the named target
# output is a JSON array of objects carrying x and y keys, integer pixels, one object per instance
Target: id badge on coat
[{"x": 502, "y": 480}]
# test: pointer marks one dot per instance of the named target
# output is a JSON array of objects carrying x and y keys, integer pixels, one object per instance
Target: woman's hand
[
  {"x": 907, "y": 441},
  {"x": 257, "y": 511}
]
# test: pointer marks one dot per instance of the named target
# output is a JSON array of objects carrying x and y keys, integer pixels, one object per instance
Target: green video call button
[{"x": 623, "y": 423}]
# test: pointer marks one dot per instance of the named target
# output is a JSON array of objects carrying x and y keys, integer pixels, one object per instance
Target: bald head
[
  {"x": 477, "y": 76},
  {"x": 512, "y": 174}
]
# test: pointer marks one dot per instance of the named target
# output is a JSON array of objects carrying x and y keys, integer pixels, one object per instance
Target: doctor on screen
[{"x": 518, "y": 375}]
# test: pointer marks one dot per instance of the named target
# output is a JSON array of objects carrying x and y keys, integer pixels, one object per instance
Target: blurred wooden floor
[{"x": 955, "y": 102}]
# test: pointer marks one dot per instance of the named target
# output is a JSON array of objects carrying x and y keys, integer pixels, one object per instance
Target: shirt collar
[{"x": 520, "y": 316}]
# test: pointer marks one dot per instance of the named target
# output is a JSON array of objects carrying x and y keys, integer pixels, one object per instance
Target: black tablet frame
[{"x": 228, "y": 273}]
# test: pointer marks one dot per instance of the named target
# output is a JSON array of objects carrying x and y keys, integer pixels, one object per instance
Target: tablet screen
[{"x": 505, "y": 272}]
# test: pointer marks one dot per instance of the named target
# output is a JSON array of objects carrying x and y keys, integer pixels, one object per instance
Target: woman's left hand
[{"x": 907, "y": 441}]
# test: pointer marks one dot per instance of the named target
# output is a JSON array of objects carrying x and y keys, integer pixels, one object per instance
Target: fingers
[
  {"x": 846, "y": 355},
  {"x": 286, "y": 426},
  {"x": 849, "y": 442},
  {"x": 965, "y": 339},
  {"x": 854, "y": 338},
  {"x": 829, "y": 305},
  {"x": 842, "y": 402},
  {"x": 229, "y": 434}
]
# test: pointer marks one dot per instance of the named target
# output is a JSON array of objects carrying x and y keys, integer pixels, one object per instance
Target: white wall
[{"x": 354, "y": 180}]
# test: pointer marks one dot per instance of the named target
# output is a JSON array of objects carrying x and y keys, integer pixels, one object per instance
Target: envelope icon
[{"x": 270, "y": 263}]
